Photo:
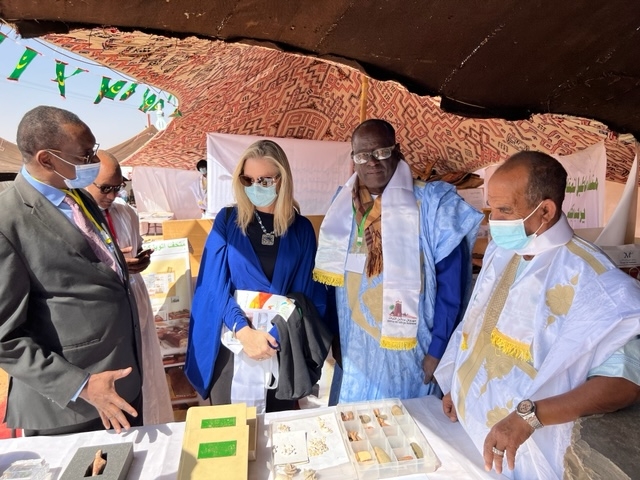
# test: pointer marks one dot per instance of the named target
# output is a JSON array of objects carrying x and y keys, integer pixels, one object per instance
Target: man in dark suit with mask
[{"x": 69, "y": 331}]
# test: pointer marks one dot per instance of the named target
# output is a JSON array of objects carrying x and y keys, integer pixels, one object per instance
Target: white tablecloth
[{"x": 157, "y": 448}]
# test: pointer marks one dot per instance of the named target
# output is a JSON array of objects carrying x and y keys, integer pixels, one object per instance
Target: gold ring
[{"x": 497, "y": 452}]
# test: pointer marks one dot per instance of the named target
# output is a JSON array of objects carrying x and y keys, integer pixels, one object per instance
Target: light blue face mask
[
  {"x": 85, "y": 174},
  {"x": 510, "y": 234},
  {"x": 261, "y": 196}
]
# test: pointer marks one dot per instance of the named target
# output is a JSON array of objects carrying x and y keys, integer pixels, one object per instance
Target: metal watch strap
[{"x": 532, "y": 419}]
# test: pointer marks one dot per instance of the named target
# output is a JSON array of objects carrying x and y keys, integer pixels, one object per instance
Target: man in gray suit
[{"x": 69, "y": 330}]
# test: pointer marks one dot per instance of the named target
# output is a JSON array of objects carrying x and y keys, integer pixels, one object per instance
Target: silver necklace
[{"x": 267, "y": 238}]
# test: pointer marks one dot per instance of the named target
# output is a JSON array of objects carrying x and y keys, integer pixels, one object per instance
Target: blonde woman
[{"x": 261, "y": 244}]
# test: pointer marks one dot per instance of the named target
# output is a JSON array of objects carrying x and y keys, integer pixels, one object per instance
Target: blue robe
[
  {"x": 229, "y": 263},
  {"x": 371, "y": 372}
]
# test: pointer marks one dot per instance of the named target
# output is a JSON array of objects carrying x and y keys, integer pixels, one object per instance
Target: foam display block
[{"x": 118, "y": 456}]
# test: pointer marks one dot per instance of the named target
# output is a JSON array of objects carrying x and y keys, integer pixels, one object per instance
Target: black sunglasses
[
  {"x": 263, "y": 181},
  {"x": 105, "y": 189}
]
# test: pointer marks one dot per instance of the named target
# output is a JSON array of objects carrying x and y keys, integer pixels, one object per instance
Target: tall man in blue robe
[{"x": 398, "y": 251}]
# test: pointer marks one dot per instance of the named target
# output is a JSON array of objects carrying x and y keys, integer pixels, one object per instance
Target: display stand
[{"x": 168, "y": 280}]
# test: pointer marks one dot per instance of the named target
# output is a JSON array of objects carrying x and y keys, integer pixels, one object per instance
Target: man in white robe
[
  {"x": 123, "y": 221},
  {"x": 550, "y": 333}
]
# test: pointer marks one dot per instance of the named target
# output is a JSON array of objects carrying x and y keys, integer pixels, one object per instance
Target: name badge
[{"x": 355, "y": 262}]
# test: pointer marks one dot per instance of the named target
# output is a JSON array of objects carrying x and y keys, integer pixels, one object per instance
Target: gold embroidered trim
[
  {"x": 588, "y": 257},
  {"x": 510, "y": 346},
  {"x": 464, "y": 345},
  {"x": 328, "y": 278},
  {"x": 398, "y": 343}
]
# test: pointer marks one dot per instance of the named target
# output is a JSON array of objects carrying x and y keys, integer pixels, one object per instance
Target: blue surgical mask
[
  {"x": 510, "y": 234},
  {"x": 261, "y": 196},
  {"x": 85, "y": 174}
]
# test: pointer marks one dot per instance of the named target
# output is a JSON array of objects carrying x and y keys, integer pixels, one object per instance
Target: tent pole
[{"x": 363, "y": 98}]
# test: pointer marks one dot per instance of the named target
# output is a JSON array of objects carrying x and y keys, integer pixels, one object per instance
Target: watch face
[{"x": 525, "y": 406}]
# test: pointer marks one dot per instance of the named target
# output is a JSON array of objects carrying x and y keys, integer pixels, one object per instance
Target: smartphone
[{"x": 144, "y": 253}]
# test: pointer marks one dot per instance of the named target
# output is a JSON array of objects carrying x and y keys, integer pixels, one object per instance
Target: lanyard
[
  {"x": 360, "y": 227},
  {"x": 105, "y": 236}
]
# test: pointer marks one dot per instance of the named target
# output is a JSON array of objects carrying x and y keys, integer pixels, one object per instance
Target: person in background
[
  {"x": 200, "y": 188},
  {"x": 262, "y": 244},
  {"x": 550, "y": 334},
  {"x": 125, "y": 227},
  {"x": 69, "y": 330},
  {"x": 398, "y": 252}
]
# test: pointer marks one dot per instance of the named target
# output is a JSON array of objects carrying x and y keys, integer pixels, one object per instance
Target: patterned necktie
[
  {"x": 95, "y": 242},
  {"x": 107, "y": 215}
]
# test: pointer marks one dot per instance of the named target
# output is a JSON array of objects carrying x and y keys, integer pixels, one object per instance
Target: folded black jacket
[{"x": 304, "y": 345}]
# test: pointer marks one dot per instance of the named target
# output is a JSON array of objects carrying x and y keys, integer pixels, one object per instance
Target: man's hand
[
  {"x": 100, "y": 392},
  {"x": 137, "y": 264},
  {"x": 506, "y": 436},
  {"x": 449, "y": 408},
  {"x": 257, "y": 344},
  {"x": 429, "y": 365}
]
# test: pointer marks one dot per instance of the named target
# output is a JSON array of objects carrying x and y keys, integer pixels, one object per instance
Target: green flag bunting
[
  {"x": 130, "y": 91},
  {"x": 28, "y": 55},
  {"x": 61, "y": 79},
  {"x": 109, "y": 91}
]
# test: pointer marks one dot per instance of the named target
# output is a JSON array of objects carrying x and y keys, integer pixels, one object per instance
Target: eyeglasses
[
  {"x": 379, "y": 154},
  {"x": 86, "y": 159},
  {"x": 106, "y": 189},
  {"x": 263, "y": 181}
]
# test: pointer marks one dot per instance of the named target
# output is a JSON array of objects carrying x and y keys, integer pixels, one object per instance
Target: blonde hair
[{"x": 285, "y": 204}]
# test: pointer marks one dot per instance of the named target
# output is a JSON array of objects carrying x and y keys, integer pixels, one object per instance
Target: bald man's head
[{"x": 109, "y": 181}]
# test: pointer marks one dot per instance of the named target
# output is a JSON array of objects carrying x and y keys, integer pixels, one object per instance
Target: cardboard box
[
  {"x": 118, "y": 456},
  {"x": 482, "y": 239},
  {"x": 196, "y": 231},
  {"x": 316, "y": 221},
  {"x": 474, "y": 197},
  {"x": 626, "y": 257},
  {"x": 218, "y": 442}
]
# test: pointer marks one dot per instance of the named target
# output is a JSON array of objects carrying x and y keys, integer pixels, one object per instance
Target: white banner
[
  {"x": 584, "y": 197},
  {"x": 318, "y": 168},
  {"x": 166, "y": 190}
]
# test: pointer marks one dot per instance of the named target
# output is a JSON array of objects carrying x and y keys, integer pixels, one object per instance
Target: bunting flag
[
  {"x": 108, "y": 88},
  {"x": 150, "y": 102},
  {"x": 109, "y": 91},
  {"x": 61, "y": 79},
  {"x": 130, "y": 91},
  {"x": 28, "y": 55}
]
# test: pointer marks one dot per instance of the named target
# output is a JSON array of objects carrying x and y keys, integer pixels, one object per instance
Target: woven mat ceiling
[{"x": 497, "y": 58}]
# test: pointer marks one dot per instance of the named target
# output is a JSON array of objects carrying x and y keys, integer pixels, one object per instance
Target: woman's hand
[{"x": 257, "y": 344}]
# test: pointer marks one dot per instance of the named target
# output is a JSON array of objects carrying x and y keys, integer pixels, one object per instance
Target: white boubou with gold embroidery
[{"x": 536, "y": 335}]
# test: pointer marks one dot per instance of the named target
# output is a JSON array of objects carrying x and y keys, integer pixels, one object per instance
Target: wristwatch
[{"x": 527, "y": 411}]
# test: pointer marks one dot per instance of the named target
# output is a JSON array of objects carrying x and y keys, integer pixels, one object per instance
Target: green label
[
  {"x": 217, "y": 449},
  {"x": 218, "y": 422}
]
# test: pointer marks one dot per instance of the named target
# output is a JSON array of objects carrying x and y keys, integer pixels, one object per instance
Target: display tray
[{"x": 367, "y": 440}]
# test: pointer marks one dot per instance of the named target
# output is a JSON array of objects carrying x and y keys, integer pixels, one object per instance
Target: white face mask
[
  {"x": 510, "y": 234},
  {"x": 85, "y": 174},
  {"x": 261, "y": 196}
]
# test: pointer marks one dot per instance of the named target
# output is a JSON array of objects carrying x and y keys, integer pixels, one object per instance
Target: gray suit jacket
[{"x": 63, "y": 313}]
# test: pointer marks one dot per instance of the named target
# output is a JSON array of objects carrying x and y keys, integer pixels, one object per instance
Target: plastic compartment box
[{"x": 381, "y": 440}]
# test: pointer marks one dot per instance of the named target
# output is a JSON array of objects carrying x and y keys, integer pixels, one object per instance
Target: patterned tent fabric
[{"x": 243, "y": 89}]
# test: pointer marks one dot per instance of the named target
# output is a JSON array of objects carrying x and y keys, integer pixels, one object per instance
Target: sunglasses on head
[
  {"x": 262, "y": 181},
  {"x": 105, "y": 189}
]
